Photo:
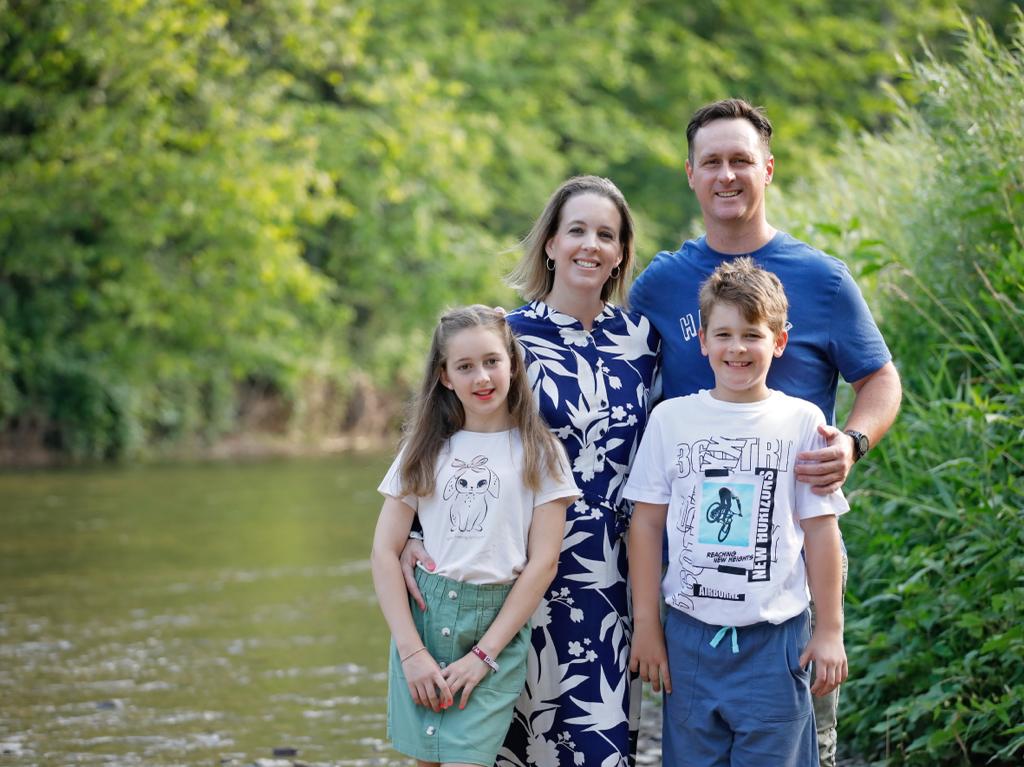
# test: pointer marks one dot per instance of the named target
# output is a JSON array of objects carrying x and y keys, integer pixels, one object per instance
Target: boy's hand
[
  {"x": 649, "y": 657},
  {"x": 465, "y": 674},
  {"x": 414, "y": 552},
  {"x": 829, "y": 656},
  {"x": 426, "y": 682}
]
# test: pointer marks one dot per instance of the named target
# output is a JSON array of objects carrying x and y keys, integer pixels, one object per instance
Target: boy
[{"x": 723, "y": 462}]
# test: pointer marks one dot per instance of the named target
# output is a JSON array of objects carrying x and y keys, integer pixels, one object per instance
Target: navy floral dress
[{"x": 580, "y": 705}]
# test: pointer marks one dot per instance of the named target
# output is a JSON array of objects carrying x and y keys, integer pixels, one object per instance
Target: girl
[
  {"x": 592, "y": 365},
  {"x": 490, "y": 485}
]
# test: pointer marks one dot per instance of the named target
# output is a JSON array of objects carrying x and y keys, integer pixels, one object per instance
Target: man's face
[{"x": 730, "y": 170}]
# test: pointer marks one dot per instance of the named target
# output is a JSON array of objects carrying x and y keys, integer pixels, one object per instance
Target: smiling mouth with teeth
[
  {"x": 728, "y": 194},
  {"x": 586, "y": 264}
]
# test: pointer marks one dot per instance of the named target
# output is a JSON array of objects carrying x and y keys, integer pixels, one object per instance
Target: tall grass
[{"x": 932, "y": 217}]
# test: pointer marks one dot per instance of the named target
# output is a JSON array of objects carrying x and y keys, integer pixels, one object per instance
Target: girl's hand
[
  {"x": 414, "y": 552},
  {"x": 465, "y": 674},
  {"x": 426, "y": 683}
]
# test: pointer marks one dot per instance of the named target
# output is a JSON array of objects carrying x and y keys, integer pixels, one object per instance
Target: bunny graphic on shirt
[{"x": 469, "y": 489}]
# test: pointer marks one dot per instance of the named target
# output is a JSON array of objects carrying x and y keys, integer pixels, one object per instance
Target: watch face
[{"x": 860, "y": 442}]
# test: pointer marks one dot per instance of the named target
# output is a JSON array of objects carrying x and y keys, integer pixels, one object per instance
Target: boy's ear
[
  {"x": 781, "y": 339},
  {"x": 703, "y": 348}
]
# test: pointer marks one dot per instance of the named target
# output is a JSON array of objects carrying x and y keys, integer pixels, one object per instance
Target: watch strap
[{"x": 485, "y": 658}]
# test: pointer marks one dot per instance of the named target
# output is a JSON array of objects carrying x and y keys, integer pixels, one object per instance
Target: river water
[
  {"x": 192, "y": 615},
  {"x": 212, "y": 614}
]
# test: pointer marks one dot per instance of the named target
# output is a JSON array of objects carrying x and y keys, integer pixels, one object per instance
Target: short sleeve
[
  {"x": 391, "y": 485},
  {"x": 808, "y": 504},
  {"x": 855, "y": 342},
  {"x": 648, "y": 482},
  {"x": 561, "y": 486}
]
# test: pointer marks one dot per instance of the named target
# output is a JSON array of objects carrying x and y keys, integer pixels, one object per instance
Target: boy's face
[{"x": 740, "y": 353}]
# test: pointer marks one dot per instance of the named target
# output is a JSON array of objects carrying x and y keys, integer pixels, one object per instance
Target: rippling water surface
[{"x": 192, "y": 615}]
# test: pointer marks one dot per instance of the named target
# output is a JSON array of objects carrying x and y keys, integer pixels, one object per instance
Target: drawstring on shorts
[{"x": 721, "y": 634}]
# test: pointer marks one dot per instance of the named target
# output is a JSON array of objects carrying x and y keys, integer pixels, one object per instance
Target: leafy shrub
[{"x": 932, "y": 215}]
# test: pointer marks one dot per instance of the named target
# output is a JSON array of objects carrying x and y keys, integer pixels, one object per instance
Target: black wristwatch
[{"x": 861, "y": 445}]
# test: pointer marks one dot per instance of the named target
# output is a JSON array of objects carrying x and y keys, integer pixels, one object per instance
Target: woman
[{"x": 591, "y": 366}]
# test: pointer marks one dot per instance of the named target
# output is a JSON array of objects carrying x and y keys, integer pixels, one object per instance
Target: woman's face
[{"x": 586, "y": 247}]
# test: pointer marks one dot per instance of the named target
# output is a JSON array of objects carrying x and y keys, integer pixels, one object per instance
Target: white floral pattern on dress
[{"x": 593, "y": 389}]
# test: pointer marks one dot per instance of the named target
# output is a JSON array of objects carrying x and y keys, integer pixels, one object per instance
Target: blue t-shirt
[{"x": 832, "y": 332}]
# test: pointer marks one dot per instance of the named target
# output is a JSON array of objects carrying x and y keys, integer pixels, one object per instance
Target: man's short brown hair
[{"x": 730, "y": 109}]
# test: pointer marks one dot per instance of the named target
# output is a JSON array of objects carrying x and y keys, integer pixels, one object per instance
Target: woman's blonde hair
[
  {"x": 533, "y": 280},
  {"x": 437, "y": 413}
]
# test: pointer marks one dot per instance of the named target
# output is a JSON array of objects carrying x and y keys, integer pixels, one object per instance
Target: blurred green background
[
  {"x": 224, "y": 220},
  {"x": 245, "y": 216}
]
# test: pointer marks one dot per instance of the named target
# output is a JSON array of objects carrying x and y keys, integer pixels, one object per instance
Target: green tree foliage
[
  {"x": 204, "y": 194},
  {"x": 147, "y": 225},
  {"x": 933, "y": 211}
]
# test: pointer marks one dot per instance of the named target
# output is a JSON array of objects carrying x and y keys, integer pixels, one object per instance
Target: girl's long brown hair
[{"x": 436, "y": 413}]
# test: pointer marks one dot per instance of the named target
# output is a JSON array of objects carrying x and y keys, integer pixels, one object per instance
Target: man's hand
[
  {"x": 826, "y": 469},
  {"x": 414, "y": 552}
]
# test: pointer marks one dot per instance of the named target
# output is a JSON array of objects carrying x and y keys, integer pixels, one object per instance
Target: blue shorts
[{"x": 745, "y": 709}]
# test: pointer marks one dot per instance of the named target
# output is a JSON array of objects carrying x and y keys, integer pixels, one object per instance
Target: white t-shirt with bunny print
[{"x": 477, "y": 522}]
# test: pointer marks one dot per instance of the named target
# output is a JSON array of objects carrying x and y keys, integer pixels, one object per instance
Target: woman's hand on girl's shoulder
[
  {"x": 465, "y": 674},
  {"x": 426, "y": 682}
]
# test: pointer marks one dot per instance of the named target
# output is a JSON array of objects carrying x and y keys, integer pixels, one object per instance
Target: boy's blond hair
[{"x": 756, "y": 292}]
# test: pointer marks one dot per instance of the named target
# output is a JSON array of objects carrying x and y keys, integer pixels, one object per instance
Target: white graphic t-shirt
[
  {"x": 726, "y": 471},
  {"x": 477, "y": 522}
]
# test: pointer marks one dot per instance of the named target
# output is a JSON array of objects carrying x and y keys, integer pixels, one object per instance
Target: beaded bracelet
[{"x": 485, "y": 658}]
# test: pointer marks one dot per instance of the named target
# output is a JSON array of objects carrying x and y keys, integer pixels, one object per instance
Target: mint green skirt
[{"x": 456, "y": 618}]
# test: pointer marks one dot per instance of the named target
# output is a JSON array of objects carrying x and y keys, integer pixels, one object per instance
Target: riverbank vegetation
[
  {"x": 221, "y": 216},
  {"x": 932, "y": 213},
  {"x": 224, "y": 216}
]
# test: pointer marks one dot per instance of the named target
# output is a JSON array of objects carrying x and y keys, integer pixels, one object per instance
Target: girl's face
[
  {"x": 479, "y": 371},
  {"x": 586, "y": 246}
]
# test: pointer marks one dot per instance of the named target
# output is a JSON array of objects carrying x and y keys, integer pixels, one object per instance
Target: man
[{"x": 832, "y": 333}]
